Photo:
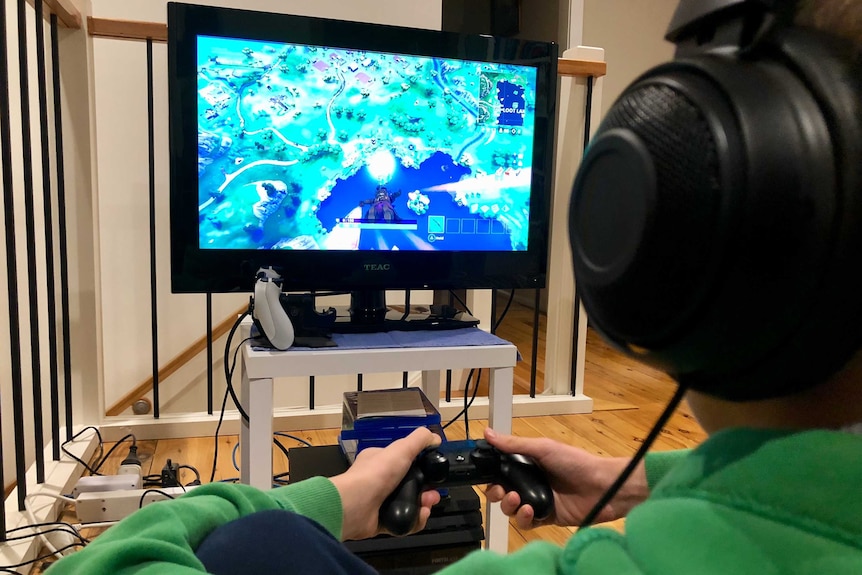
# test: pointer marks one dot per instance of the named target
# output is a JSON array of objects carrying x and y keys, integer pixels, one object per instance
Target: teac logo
[{"x": 377, "y": 267}]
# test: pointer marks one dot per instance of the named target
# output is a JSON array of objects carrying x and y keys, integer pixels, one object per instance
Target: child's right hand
[{"x": 578, "y": 479}]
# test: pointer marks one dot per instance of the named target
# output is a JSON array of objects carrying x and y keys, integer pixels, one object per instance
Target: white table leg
[
  {"x": 500, "y": 419},
  {"x": 255, "y": 436},
  {"x": 431, "y": 386}
]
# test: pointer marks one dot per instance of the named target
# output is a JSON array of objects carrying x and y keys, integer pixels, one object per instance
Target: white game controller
[{"x": 268, "y": 313}]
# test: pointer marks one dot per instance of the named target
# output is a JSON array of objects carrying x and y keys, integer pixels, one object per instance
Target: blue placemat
[{"x": 470, "y": 336}]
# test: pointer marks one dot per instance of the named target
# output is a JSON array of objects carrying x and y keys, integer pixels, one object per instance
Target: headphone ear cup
[{"x": 705, "y": 223}]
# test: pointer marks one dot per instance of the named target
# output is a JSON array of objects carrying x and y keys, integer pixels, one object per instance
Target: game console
[
  {"x": 453, "y": 530},
  {"x": 467, "y": 462},
  {"x": 267, "y": 312}
]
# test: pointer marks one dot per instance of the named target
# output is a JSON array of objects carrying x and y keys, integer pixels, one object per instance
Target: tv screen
[{"x": 355, "y": 156}]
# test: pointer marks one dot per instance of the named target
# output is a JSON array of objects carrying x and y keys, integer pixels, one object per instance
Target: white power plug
[{"x": 131, "y": 465}]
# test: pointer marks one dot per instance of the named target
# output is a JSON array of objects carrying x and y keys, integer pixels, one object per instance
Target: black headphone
[{"x": 716, "y": 219}]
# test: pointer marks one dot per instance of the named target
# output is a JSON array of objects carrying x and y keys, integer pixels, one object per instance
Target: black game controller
[{"x": 465, "y": 463}]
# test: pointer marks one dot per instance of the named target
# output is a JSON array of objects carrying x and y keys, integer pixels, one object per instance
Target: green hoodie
[{"x": 746, "y": 501}]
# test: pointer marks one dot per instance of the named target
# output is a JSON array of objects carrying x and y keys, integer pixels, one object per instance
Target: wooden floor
[{"x": 637, "y": 393}]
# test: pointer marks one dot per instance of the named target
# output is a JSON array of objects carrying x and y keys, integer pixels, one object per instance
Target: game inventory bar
[{"x": 367, "y": 224}]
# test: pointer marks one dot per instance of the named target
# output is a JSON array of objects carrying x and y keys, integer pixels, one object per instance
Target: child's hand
[
  {"x": 373, "y": 476},
  {"x": 577, "y": 477}
]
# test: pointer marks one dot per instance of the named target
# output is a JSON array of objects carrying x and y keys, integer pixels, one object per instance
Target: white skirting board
[{"x": 323, "y": 417}]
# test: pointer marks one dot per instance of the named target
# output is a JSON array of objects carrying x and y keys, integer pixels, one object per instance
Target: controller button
[
  {"x": 435, "y": 467},
  {"x": 459, "y": 458}
]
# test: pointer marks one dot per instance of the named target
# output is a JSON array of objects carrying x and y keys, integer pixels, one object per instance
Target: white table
[{"x": 258, "y": 368}]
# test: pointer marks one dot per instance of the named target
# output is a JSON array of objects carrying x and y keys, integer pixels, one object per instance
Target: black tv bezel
[{"x": 196, "y": 270}]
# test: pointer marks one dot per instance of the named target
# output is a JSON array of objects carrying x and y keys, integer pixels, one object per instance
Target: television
[{"x": 355, "y": 157}]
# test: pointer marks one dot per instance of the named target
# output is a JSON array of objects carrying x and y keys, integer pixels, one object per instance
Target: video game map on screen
[{"x": 313, "y": 148}]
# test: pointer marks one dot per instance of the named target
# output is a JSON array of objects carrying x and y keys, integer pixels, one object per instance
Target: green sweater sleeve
[
  {"x": 658, "y": 463},
  {"x": 161, "y": 538}
]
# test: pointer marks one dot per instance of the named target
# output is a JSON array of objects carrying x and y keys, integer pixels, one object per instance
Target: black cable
[
  {"x": 155, "y": 479},
  {"x": 193, "y": 470},
  {"x": 505, "y": 310},
  {"x": 48, "y": 524},
  {"x": 457, "y": 297},
  {"x": 159, "y": 491},
  {"x": 113, "y": 449},
  {"x": 638, "y": 456},
  {"x": 9, "y": 568},
  {"x": 215, "y": 436},
  {"x": 293, "y": 437},
  {"x": 229, "y": 375},
  {"x": 466, "y": 419},
  {"x": 466, "y": 387},
  {"x": 281, "y": 447},
  {"x": 55, "y": 529},
  {"x": 468, "y": 405},
  {"x": 76, "y": 458}
]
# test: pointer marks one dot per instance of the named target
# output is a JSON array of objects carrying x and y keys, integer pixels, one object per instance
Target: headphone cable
[{"x": 638, "y": 456}]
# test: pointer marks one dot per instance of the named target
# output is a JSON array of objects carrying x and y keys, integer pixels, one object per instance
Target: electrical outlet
[{"x": 96, "y": 507}]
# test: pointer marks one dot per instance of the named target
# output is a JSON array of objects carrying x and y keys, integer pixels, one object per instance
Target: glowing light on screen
[{"x": 381, "y": 166}]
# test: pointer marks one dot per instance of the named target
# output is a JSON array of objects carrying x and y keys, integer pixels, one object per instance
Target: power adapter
[{"x": 171, "y": 474}]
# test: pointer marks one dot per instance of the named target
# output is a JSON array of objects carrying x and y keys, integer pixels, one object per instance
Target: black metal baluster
[
  {"x": 358, "y": 382},
  {"x": 210, "y": 353},
  {"x": 30, "y": 229},
  {"x": 493, "y": 311},
  {"x": 153, "y": 284},
  {"x": 11, "y": 266},
  {"x": 49, "y": 233},
  {"x": 61, "y": 221},
  {"x": 449, "y": 371},
  {"x": 311, "y": 392},
  {"x": 404, "y": 378}
]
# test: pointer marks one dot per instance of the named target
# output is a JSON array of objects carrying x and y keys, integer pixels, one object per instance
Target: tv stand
[{"x": 368, "y": 308}]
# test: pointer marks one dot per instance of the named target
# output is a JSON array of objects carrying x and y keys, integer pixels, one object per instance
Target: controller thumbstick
[
  {"x": 435, "y": 467},
  {"x": 485, "y": 458},
  {"x": 483, "y": 445}
]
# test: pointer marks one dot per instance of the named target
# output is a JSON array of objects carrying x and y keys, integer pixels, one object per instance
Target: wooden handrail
[
  {"x": 173, "y": 365},
  {"x": 67, "y": 15},
  {"x": 581, "y": 68},
  {"x": 132, "y": 30},
  {"x": 127, "y": 29}
]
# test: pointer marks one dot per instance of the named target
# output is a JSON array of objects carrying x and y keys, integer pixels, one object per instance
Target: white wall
[
  {"x": 632, "y": 35},
  {"x": 122, "y": 196}
]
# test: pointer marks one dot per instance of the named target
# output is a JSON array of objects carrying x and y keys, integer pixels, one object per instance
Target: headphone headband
[{"x": 693, "y": 17}]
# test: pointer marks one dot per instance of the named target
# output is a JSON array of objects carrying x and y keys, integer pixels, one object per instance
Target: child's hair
[{"x": 839, "y": 17}]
